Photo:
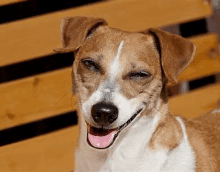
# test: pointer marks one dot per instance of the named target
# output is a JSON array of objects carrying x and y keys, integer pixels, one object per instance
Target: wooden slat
[
  {"x": 49, "y": 153},
  {"x": 48, "y": 94},
  {"x": 6, "y": 2},
  {"x": 54, "y": 152},
  {"x": 35, "y": 98},
  {"x": 196, "y": 102},
  {"x": 38, "y": 36},
  {"x": 204, "y": 64}
]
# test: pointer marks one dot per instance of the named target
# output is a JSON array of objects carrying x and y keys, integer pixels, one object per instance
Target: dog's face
[
  {"x": 117, "y": 75},
  {"x": 116, "y": 81}
]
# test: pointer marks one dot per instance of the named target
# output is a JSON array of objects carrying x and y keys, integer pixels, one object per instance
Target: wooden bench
[{"x": 46, "y": 95}]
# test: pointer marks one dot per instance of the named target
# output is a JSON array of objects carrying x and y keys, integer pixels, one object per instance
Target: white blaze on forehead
[{"x": 115, "y": 66}]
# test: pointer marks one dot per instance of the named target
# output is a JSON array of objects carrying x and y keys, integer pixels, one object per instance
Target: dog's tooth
[{"x": 107, "y": 90}]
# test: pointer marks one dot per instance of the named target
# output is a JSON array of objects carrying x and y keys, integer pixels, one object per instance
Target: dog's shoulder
[
  {"x": 204, "y": 136},
  {"x": 208, "y": 123}
]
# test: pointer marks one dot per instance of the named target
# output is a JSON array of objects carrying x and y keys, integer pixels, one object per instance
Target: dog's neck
[{"x": 154, "y": 130}]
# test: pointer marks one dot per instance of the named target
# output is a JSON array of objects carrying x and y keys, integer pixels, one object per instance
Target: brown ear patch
[
  {"x": 176, "y": 53},
  {"x": 75, "y": 30}
]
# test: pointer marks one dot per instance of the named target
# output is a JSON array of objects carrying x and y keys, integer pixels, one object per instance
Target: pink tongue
[{"x": 101, "y": 141}]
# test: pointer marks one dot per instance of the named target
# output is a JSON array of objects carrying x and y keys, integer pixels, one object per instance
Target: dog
[{"x": 119, "y": 78}]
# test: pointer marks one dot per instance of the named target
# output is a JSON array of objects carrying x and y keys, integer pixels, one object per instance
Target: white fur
[
  {"x": 115, "y": 66},
  {"x": 127, "y": 108},
  {"x": 130, "y": 152},
  {"x": 216, "y": 111},
  {"x": 182, "y": 158}
]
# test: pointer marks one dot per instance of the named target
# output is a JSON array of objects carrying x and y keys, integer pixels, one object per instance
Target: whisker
[{"x": 157, "y": 110}]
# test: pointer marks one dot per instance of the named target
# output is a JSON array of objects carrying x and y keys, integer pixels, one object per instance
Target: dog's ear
[
  {"x": 75, "y": 30},
  {"x": 176, "y": 53}
]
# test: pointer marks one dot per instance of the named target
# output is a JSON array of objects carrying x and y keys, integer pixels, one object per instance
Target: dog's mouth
[{"x": 101, "y": 138}]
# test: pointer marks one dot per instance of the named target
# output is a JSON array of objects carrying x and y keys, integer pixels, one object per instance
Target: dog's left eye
[
  {"x": 89, "y": 64},
  {"x": 139, "y": 75}
]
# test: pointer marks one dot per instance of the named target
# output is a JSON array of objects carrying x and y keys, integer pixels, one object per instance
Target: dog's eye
[
  {"x": 139, "y": 75},
  {"x": 89, "y": 64}
]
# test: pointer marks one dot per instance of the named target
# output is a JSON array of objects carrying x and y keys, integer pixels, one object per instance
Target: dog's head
[{"x": 118, "y": 75}]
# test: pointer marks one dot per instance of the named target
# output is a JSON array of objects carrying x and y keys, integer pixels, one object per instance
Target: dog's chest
[
  {"x": 179, "y": 160},
  {"x": 129, "y": 161},
  {"x": 134, "y": 154}
]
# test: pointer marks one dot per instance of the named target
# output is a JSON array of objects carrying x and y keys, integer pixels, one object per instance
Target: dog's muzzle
[{"x": 104, "y": 115}]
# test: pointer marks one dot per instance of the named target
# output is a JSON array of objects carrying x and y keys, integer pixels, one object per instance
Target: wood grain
[
  {"x": 49, "y": 94},
  {"x": 196, "y": 103},
  {"x": 38, "y": 36},
  {"x": 48, "y": 153},
  {"x": 35, "y": 98}
]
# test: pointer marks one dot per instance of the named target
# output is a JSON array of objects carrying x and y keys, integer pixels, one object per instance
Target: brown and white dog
[{"x": 119, "y": 79}]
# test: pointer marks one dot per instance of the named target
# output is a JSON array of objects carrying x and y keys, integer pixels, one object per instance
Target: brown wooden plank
[
  {"x": 206, "y": 61},
  {"x": 49, "y": 94},
  {"x": 38, "y": 36},
  {"x": 48, "y": 153},
  {"x": 36, "y": 97},
  {"x": 6, "y": 2},
  {"x": 196, "y": 102}
]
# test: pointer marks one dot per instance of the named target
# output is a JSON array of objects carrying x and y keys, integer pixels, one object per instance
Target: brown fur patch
[
  {"x": 167, "y": 135},
  {"x": 204, "y": 137}
]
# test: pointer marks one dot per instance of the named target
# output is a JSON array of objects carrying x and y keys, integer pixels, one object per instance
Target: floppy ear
[
  {"x": 176, "y": 53},
  {"x": 75, "y": 30}
]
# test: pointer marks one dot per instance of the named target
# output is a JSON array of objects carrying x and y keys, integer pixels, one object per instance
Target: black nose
[{"x": 104, "y": 114}]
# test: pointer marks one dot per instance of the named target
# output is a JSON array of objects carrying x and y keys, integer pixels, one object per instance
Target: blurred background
[{"x": 38, "y": 118}]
